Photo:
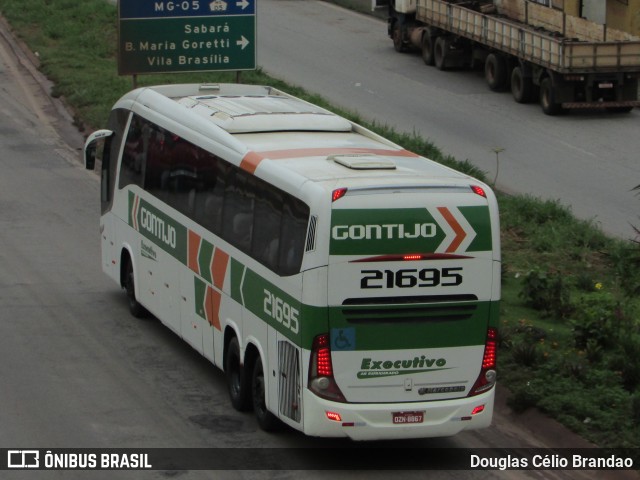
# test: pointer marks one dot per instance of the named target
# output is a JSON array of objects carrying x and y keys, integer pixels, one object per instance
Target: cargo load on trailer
[{"x": 537, "y": 51}]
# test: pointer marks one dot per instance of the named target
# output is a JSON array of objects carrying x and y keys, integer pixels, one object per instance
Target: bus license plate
[
  {"x": 606, "y": 85},
  {"x": 408, "y": 417}
]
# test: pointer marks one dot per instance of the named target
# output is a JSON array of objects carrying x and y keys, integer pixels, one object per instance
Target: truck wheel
[
  {"x": 440, "y": 51},
  {"x": 427, "y": 48},
  {"x": 398, "y": 38},
  {"x": 237, "y": 380},
  {"x": 547, "y": 98},
  {"x": 495, "y": 72},
  {"x": 521, "y": 86},
  {"x": 266, "y": 420},
  {"x": 620, "y": 109}
]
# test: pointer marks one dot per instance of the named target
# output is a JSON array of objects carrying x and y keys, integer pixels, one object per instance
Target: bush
[
  {"x": 626, "y": 361},
  {"x": 548, "y": 292},
  {"x": 596, "y": 322}
]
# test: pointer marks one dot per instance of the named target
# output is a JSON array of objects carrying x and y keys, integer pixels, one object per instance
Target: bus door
[{"x": 410, "y": 287}]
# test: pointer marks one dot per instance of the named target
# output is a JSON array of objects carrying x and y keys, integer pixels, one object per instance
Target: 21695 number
[{"x": 411, "y": 277}]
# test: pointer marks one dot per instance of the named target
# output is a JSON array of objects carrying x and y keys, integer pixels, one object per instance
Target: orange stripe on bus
[
  {"x": 457, "y": 228},
  {"x": 323, "y": 152},
  {"x": 213, "y": 301},
  {"x": 251, "y": 161},
  {"x": 194, "y": 248},
  {"x": 219, "y": 267}
]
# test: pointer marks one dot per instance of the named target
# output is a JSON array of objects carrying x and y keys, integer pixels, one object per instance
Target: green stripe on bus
[
  {"x": 403, "y": 330},
  {"x": 205, "y": 258},
  {"x": 200, "y": 295},
  {"x": 236, "y": 273},
  {"x": 158, "y": 227},
  {"x": 480, "y": 221},
  {"x": 273, "y": 305},
  {"x": 412, "y": 230}
]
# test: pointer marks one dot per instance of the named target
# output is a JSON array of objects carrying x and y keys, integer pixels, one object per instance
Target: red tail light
[
  {"x": 487, "y": 378},
  {"x": 338, "y": 194},
  {"x": 478, "y": 190},
  {"x": 321, "y": 381},
  {"x": 323, "y": 355}
]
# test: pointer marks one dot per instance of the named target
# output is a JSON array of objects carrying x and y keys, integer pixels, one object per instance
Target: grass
[{"x": 570, "y": 334}]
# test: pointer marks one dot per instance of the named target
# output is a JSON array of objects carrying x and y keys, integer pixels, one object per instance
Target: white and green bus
[{"x": 346, "y": 286}]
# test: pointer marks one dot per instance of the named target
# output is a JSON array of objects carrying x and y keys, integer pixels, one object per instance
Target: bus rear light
[
  {"x": 338, "y": 193},
  {"x": 323, "y": 355},
  {"x": 487, "y": 378},
  {"x": 411, "y": 257},
  {"x": 334, "y": 416},
  {"x": 478, "y": 190},
  {"x": 490, "y": 349},
  {"x": 321, "y": 381},
  {"x": 477, "y": 410}
]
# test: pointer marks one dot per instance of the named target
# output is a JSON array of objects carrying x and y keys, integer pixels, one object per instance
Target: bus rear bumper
[{"x": 323, "y": 418}]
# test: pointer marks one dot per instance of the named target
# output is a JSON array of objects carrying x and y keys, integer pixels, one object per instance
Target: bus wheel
[
  {"x": 547, "y": 98},
  {"x": 495, "y": 72},
  {"x": 237, "y": 382},
  {"x": 136, "y": 309},
  {"x": 266, "y": 420}
]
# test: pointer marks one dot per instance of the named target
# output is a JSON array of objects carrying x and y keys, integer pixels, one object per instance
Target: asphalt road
[
  {"x": 77, "y": 371},
  {"x": 588, "y": 161}
]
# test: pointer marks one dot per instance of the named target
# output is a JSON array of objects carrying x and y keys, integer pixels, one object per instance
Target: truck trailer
[{"x": 537, "y": 51}]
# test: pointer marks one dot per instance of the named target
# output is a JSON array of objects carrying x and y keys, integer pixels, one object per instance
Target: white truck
[{"x": 537, "y": 50}]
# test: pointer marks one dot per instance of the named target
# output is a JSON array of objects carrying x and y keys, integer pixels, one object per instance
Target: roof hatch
[
  {"x": 264, "y": 113},
  {"x": 364, "y": 162}
]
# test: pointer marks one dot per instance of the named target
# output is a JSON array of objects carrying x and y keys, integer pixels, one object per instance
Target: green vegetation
[{"x": 570, "y": 335}]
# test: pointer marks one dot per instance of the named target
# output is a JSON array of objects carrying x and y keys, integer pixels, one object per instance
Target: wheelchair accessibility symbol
[{"x": 343, "y": 339}]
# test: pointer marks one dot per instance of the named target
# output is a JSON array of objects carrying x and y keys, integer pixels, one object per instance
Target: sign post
[{"x": 159, "y": 36}]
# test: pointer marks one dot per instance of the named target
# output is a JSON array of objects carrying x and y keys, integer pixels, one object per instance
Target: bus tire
[
  {"x": 495, "y": 72},
  {"x": 266, "y": 420},
  {"x": 129, "y": 286},
  {"x": 440, "y": 52},
  {"x": 521, "y": 87},
  {"x": 237, "y": 382},
  {"x": 547, "y": 98},
  {"x": 427, "y": 48}
]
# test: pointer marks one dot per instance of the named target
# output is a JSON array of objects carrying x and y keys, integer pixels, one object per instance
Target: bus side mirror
[
  {"x": 91, "y": 147},
  {"x": 90, "y": 156}
]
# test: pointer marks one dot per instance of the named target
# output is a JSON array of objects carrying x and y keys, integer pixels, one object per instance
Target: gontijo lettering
[
  {"x": 386, "y": 231},
  {"x": 158, "y": 227}
]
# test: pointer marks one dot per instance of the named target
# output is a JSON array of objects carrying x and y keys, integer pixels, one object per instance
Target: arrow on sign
[
  {"x": 243, "y": 42},
  {"x": 243, "y": 4}
]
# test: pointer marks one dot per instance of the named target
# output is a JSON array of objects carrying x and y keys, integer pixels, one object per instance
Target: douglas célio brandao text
[{"x": 552, "y": 461}]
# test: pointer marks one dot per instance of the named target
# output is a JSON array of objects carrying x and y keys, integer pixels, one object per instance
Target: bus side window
[
  {"x": 267, "y": 224},
  {"x": 237, "y": 215},
  {"x": 294, "y": 229},
  {"x": 216, "y": 173},
  {"x": 134, "y": 155}
]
